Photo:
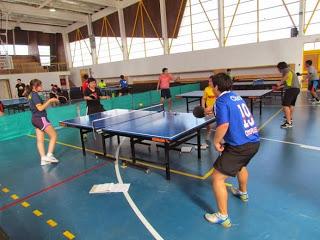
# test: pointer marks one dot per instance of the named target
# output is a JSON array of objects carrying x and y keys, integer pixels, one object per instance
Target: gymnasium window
[
  {"x": 275, "y": 21},
  {"x": 81, "y": 53},
  {"x": 108, "y": 49},
  {"x": 311, "y": 46},
  {"x": 312, "y": 17},
  {"x": 44, "y": 52},
  {"x": 240, "y": 22},
  {"x": 20, "y": 49},
  {"x": 144, "y": 47},
  {"x": 4, "y": 49},
  {"x": 199, "y": 27}
]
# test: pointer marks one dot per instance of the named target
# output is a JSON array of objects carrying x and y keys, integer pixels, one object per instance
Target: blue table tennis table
[
  {"x": 168, "y": 129},
  {"x": 254, "y": 84},
  {"x": 252, "y": 95},
  {"x": 17, "y": 104}
]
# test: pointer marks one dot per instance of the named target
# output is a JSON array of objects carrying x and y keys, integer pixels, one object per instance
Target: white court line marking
[
  {"x": 292, "y": 143},
  {"x": 134, "y": 207}
]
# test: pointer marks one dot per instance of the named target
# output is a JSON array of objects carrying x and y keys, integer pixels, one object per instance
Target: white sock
[
  {"x": 222, "y": 216},
  {"x": 49, "y": 154}
]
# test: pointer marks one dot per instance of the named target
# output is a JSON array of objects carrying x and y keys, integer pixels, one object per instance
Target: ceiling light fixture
[{"x": 52, "y": 9}]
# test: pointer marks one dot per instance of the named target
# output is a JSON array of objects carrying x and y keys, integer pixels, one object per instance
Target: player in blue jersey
[{"x": 237, "y": 140}]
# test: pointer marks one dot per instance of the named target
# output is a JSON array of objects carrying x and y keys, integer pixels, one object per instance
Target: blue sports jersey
[
  {"x": 231, "y": 108},
  {"x": 123, "y": 83}
]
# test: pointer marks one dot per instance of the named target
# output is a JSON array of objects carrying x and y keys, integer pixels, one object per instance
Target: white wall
[
  {"x": 248, "y": 55},
  {"x": 47, "y": 79}
]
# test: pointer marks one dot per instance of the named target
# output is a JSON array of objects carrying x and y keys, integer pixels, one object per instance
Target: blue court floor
[{"x": 53, "y": 202}]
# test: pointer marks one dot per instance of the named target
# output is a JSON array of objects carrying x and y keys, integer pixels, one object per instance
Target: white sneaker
[
  {"x": 51, "y": 158},
  {"x": 43, "y": 162},
  {"x": 217, "y": 219}
]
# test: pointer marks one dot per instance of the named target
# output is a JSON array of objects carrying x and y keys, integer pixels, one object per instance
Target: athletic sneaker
[
  {"x": 285, "y": 119},
  {"x": 242, "y": 196},
  {"x": 216, "y": 218},
  {"x": 286, "y": 125},
  {"x": 316, "y": 102},
  {"x": 43, "y": 163},
  {"x": 51, "y": 158}
]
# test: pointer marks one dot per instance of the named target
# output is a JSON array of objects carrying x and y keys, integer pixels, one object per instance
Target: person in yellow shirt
[{"x": 207, "y": 102}]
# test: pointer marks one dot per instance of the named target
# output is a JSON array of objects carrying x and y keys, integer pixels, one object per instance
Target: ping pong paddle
[{"x": 198, "y": 112}]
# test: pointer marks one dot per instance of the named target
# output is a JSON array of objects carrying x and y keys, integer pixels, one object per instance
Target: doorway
[{"x": 5, "y": 90}]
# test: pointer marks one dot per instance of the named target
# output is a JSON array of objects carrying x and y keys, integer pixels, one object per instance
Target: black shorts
[
  {"x": 290, "y": 97},
  {"x": 124, "y": 91},
  {"x": 40, "y": 122},
  {"x": 95, "y": 109},
  {"x": 165, "y": 93},
  {"x": 234, "y": 158}
]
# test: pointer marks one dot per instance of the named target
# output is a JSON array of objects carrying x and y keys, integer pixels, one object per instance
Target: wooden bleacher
[{"x": 24, "y": 64}]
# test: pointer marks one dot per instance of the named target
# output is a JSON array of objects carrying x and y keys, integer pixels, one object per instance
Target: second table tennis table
[
  {"x": 168, "y": 129},
  {"x": 16, "y": 104},
  {"x": 252, "y": 95}
]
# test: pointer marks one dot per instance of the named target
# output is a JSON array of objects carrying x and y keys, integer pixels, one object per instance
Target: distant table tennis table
[
  {"x": 112, "y": 90},
  {"x": 249, "y": 94},
  {"x": 255, "y": 84},
  {"x": 17, "y": 104},
  {"x": 167, "y": 129}
]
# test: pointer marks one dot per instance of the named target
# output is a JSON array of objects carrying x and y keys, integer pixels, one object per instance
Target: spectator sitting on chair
[
  {"x": 20, "y": 88},
  {"x": 57, "y": 93},
  {"x": 124, "y": 86}
]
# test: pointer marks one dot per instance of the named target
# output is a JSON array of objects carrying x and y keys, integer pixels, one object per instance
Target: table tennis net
[{"x": 106, "y": 122}]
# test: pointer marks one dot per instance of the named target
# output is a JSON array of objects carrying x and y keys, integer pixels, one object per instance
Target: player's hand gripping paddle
[{"x": 198, "y": 112}]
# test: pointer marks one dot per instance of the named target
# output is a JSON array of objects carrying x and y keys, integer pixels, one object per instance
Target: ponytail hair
[{"x": 33, "y": 83}]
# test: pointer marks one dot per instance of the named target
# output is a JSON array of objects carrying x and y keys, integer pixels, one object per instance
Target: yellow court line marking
[
  {"x": 208, "y": 174},
  {"x": 38, "y": 213},
  {"x": 52, "y": 223},
  {"x": 68, "y": 235},
  {"x": 5, "y": 190},
  {"x": 14, "y": 196},
  {"x": 130, "y": 160},
  {"x": 25, "y": 204},
  {"x": 269, "y": 120}
]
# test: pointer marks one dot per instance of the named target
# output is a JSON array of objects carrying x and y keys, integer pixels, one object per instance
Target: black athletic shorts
[
  {"x": 234, "y": 158},
  {"x": 290, "y": 97},
  {"x": 124, "y": 91},
  {"x": 40, "y": 122},
  {"x": 165, "y": 93},
  {"x": 95, "y": 109}
]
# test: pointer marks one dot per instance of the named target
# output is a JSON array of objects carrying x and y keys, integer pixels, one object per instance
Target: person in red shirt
[
  {"x": 85, "y": 82},
  {"x": 164, "y": 85}
]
